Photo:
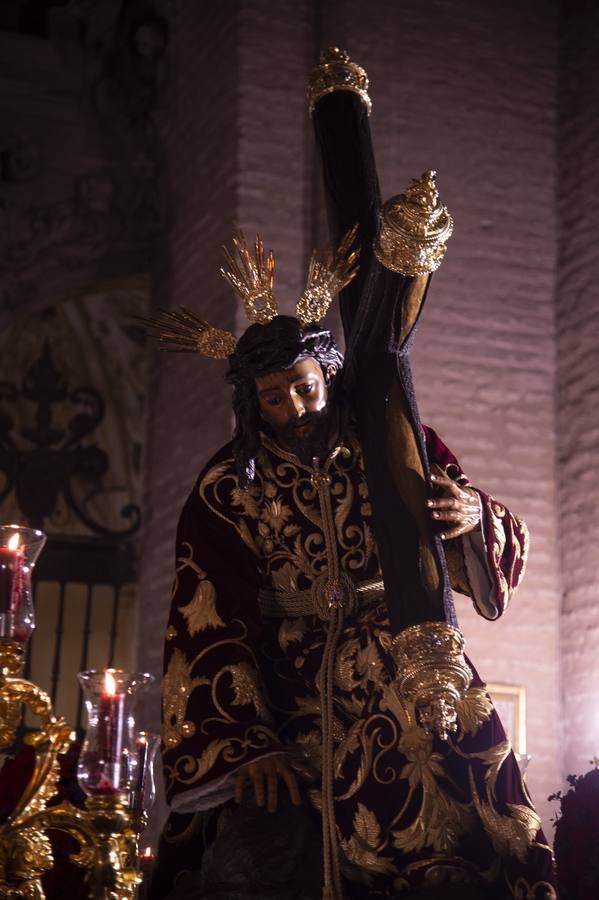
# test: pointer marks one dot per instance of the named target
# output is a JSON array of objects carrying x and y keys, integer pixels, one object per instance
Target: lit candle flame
[
  {"x": 109, "y": 683},
  {"x": 13, "y": 543},
  {"x": 147, "y": 851}
]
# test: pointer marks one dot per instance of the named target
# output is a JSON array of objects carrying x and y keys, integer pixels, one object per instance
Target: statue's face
[{"x": 294, "y": 403}]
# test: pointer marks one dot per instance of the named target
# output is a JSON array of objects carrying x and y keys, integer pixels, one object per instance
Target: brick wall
[
  {"x": 466, "y": 89},
  {"x": 190, "y": 417},
  {"x": 234, "y": 155},
  {"x": 577, "y": 311}
]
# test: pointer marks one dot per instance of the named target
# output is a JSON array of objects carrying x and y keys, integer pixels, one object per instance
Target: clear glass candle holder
[
  {"x": 109, "y": 749},
  {"x": 19, "y": 550},
  {"x": 143, "y": 786}
]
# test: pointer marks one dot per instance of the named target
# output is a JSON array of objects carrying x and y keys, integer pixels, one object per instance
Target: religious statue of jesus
[{"x": 323, "y": 734}]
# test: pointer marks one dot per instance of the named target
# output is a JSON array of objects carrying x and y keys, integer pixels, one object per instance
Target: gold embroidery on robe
[
  {"x": 200, "y": 612},
  {"x": 289, "y": 539},
  {"x": 363, "y": 846},
  {"x": 177, "y": 687},
  {"x": 511, "y": 835},
  {"x": 473, "y": 709}
]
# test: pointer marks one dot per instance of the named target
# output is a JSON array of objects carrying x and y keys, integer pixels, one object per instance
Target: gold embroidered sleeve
[{"x": 215, "y": 713}]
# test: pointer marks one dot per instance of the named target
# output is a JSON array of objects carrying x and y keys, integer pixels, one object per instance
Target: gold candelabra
[
  {"x": 114, "y": 765},
  {"x": 107, "y": 830}
]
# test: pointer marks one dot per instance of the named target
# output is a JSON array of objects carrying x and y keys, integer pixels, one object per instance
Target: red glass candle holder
[
  {"x": 19, "y": 550},
  {"x": 105, "y": 764}
]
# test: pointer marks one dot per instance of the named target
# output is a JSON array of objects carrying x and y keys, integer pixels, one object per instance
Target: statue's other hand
[
  {"x": 265, "y": 774},
  {"x": 457, "y": 505}
]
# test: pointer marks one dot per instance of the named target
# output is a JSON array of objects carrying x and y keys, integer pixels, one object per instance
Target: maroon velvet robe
[{"x": 239, "y": 686}]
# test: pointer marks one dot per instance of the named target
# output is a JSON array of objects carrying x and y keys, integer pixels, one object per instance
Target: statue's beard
[{"x": 314, "y": 442}]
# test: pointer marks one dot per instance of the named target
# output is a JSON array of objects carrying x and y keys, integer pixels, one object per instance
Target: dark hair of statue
[{"x": 263, "y": 349}]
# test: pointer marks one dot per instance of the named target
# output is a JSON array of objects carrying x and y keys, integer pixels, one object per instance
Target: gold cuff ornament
[
  {"x": 432, "y": 673},
  {"x": 336, "y": 72},
  {"x": 252, "y": 276},
  {"x": 414, "y": 229}
]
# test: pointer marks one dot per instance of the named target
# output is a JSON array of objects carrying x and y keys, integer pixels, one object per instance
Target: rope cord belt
[{"x": 282, "y": 604}]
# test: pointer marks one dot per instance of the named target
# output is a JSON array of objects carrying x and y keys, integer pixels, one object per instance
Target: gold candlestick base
[{"x": 106, "y": 831}]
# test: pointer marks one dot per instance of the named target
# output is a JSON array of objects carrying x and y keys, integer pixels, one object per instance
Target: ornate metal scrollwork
[{"x": 60, "y": 457}]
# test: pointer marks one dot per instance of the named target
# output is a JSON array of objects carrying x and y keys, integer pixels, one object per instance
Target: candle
[
  {"x": 146, "y": 861},
  {"x": 111, "y": 712},
  {"x": 11, "y": 585}
]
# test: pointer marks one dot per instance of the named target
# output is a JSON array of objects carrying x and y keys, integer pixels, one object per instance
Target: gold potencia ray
[
  {"x": 252, "y": 276},
  {"x": 181, "y": 331},
  {"x": 328, "y": 274}
]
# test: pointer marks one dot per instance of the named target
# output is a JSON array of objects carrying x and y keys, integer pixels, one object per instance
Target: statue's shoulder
[
  {"x": 222, "y": 459},
  {"x": 217, "y": 485}
]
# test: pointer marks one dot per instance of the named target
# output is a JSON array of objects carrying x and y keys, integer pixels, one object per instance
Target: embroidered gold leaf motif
[
  {"x": 276, "y": 513},
  {"x": 345, "y": 665},
  {"x": 345, "y": 503},
  {"x": 285, "y": 578},
  {"x": 366, "y": 826},
  {"x": 368, "y": 661},
  {"x": 347, "y": 746},
  {"x": 353, "y": 704},
  {"x": 441, "y": 819},
  {"x": 191, "y": 769},
  {"x": 338, "y": 729},
  {"x": 200, "y": 613},
  {"x": 362, "y": 847},
  {"x": 214, "y": 474},
  {"x": 176, "y": 689},
  {"x": 494, "y": 757},
  {"x": 270, "y": 489},
  {"x": 246, "y": 689},
  {"x": 402, "y": 711},
  {"x": 416, "y": 746},
  {"x": 510, "y": 835},
  {"x": 291, "y": 530},
  {"x": 243, "y": 498},
  {"x": 209, "y": 756},
  {"x": 439, "y": 823},
  {"x": 364, "y": 766},
  {"x": 473, "y": 709},
  {"x": 291, "y": 630}
]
